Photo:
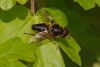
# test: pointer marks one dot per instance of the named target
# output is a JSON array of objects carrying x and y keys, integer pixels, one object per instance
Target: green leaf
[
  {"x": 15, "y": 22},
  {"x": 8, "y": 4},
  {"x": 86, "y": 4},
  {"x": 72, "y": 52},
  {"x": 11, "y": 63},
  {"x": 56, "y": 14},
  {"x": 98, "y": 2},
  {"x": 48, "y": 55},
  {"x": 22, "y": 1},
  {"x": 13, "y": 50},
  {"x": 5, "y": 4},
  {"x": 71, "y": 48}
]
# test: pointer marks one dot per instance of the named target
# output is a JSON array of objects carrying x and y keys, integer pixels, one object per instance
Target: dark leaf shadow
[{"x": 16, "y": 12}]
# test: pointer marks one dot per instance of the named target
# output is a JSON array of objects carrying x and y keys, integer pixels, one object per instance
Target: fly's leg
[
  {"x": 54, "y": 43},
  {"x": 29, "y": 33},
  {"x": 69, "y": 37}
]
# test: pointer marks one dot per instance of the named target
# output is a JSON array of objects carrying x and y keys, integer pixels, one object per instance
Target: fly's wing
[
  {"x": 39, "y": 37},
  {"x": 44, "y": 11},
  {"x": 36, "y": 37}
]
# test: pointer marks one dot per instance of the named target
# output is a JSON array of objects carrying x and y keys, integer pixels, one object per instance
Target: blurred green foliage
[{"x": 84, "y": 26}]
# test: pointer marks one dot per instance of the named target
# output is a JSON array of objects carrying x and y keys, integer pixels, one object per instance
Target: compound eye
[{"x": 65, "y": 33}]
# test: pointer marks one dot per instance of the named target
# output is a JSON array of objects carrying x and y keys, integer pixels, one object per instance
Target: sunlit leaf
[
  {"x": 56, "y": 14},
  {"x": 14, "y": 49},
  {"x": 11, "y": 62},
  {"x": 15, "y": 22},
  {"x": 71, "y": 48},
  {"x": 86, "y": 4},
  {"x": 48, "y": 55},
  {"x": 72, "y": 52},
  {"x": 6, "y": 5},
  {"x": 98, "y": 2},
  {"x": 22, "y": 1}
]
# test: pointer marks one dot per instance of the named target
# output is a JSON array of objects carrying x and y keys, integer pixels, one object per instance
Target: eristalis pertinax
[{"x": 48, "y": 30}]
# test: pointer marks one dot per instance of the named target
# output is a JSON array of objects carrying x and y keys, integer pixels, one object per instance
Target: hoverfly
[{"x": 48, "y": 30}]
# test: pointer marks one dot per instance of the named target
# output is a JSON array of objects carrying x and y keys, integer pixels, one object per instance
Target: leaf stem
[{"x": 32, "y": 6}]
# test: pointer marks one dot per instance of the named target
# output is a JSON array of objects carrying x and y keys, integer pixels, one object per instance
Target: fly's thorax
[{"x": 56, "y": 30}]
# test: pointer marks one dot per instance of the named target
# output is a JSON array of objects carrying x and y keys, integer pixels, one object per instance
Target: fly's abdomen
[{"x": 39, "y": 27}]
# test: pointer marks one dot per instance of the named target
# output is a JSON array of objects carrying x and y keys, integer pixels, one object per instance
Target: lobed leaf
[
  {"x": 8, "y": 4},
  {"x": 71, "y": 48},
  {"x": 15, "y": 22},
  {"x": 88, "y": 4},
  {"x": 48, "y": 55},
  {"x": 98, "y": 2},
  {"x": 13, "y": 50},
  {"x": 56, "y": 14},
  {"x": 22, "y": 1}
]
